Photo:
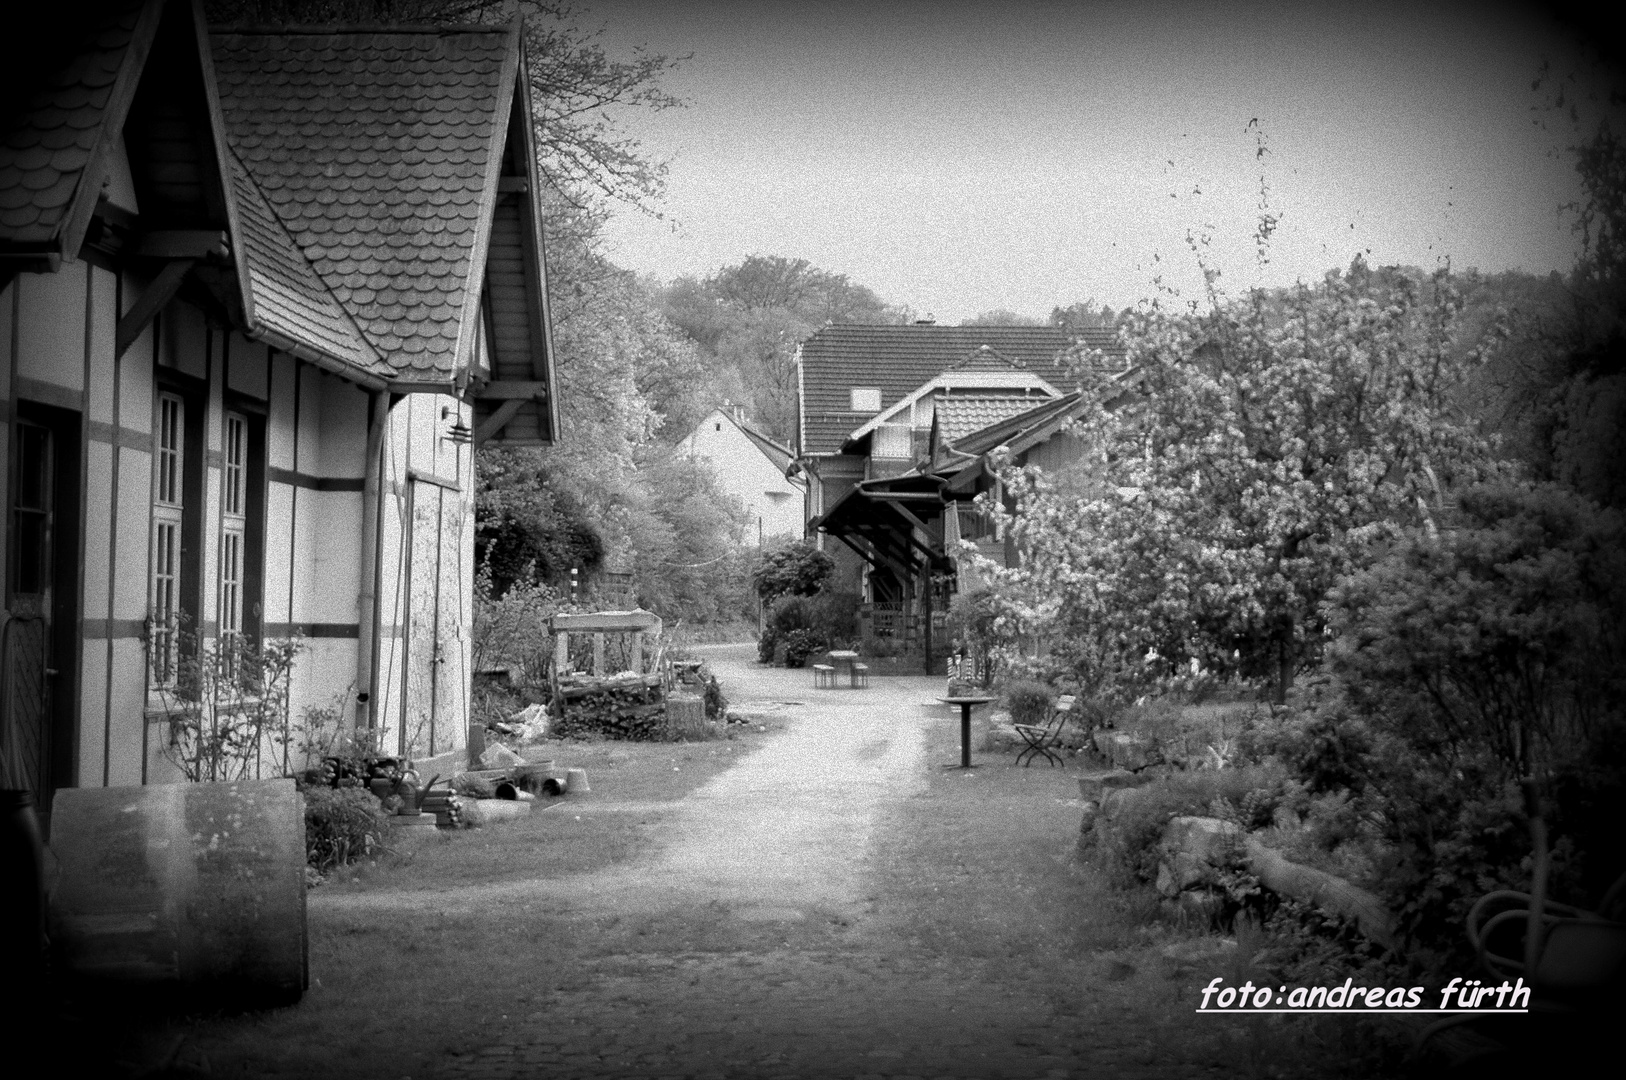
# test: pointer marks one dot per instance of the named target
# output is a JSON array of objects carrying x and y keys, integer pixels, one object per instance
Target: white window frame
[
  {"x": 233, "y": 529},
  {"x": 168, "y": 511}
]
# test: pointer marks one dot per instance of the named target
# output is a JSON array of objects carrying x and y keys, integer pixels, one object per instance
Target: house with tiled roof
[
  {"x": 752, "y": 467},
  {"x": 262, "y": 292},
  {"x": 869, "y": 398},
  {"x": 897, "y": 489}
]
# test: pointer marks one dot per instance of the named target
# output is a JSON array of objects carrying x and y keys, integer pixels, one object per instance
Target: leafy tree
[
  {"x": 1267, "y": 445},
  {"x": 1002, "y": 317},
  {"x": 748, "y": 318},
  {"x": 1086, "y": 313},
  {"x": 798, "y": 568},
  {"x": 526, "y": 530}
]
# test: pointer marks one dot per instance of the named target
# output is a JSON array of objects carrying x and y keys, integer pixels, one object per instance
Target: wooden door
[
  {"x": 425, "y": 655},
  {"x": 40, "y": 657}
]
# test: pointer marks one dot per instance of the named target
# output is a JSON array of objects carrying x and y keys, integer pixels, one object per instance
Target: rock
[
  {"x": 498, "y": 756},
  {"x": 1201, "y": 905},
  {"x": 486, "y": 811},
  {"x": 1166, "y": 886},
  {"x": 1094, "y": 786},
  {"x": 1126, "y": 750},
  {"x": 1189, "y": 870},
  {"x": 1286, "y": 819},
  {"x": 1210, "y": 840}
]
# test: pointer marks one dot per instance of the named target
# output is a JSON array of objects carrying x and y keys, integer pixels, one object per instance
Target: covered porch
[{"x": 896, "y": 526}]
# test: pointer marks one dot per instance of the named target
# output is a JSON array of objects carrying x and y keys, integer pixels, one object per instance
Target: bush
[
  {"x": 1028, "y": 701},
  {"x": 1127, "y": 842},
  {"x": 795, "y": 569},
  {"x": 1463, "y": 663},
  {"x": 342, "y": 825},
  {"x": 799, "y": 645}
]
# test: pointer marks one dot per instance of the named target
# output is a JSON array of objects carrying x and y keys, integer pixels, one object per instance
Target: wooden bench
[
  {"x": 860, "y": 675},
  {"x": 824, "y": 675}
]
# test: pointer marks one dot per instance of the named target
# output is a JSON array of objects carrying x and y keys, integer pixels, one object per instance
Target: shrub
[
  {"x": 1028, "y": 701},
  {"x": 799, "y": 645},
  {"x": 795, "y": 569},
  {"x": 1464, "y": 663},
  {"x": 342, "y": 825},
  {"x": 1127, "y": 842}
]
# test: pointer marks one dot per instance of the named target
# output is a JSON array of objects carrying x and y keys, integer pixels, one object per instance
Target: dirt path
[
  {"x": 834, "y": 905},
  {"x": 779, "y": 836}
]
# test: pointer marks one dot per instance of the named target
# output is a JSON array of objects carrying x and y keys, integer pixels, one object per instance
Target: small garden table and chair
[{"x": 829, "y": 675}]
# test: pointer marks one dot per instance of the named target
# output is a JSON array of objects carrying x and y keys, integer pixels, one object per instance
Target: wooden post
[
  {"x": 598, "y": 654},
  {"x": 927, "y": 628},
  {"x": 636, "y": 663}
]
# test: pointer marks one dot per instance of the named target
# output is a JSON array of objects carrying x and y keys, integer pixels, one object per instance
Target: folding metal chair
[{"x": 1045, "y": 738}]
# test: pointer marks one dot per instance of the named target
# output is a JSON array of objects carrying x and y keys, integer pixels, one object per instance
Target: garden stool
[
  {"x": 860, "y": 676},
  {"x": 824, "y": 675}
]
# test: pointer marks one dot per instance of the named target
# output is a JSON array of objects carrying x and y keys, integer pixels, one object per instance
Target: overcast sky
[{"x": 963, "y": 157}]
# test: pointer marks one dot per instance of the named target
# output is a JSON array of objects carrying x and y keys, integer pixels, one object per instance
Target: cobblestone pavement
[{"x": 804, "y": 973}]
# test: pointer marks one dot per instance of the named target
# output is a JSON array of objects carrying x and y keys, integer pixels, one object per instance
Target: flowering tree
[{"x": 1256, "y": 451}]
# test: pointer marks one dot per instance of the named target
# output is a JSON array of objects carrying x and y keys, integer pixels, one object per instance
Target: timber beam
[{"x": 150, "y": 303}]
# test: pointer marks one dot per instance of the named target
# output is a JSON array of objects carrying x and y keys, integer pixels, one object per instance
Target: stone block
[
  {"x": 1209, "y": 840},
  {"x": 1094, "y": 786}
]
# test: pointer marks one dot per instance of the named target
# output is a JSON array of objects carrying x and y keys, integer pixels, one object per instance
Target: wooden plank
[
  {"x": 497, "y": 420},
  {"x": 606, "y": 621},
  {"x": 508, "y": 389},
  {"x": 637, "y": 663},
  {"x": 561, "y": 652}
]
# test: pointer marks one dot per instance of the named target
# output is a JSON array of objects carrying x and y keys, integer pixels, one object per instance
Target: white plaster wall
[
  {"x": 745, "y": 472},
  {"x": 51, "y": 335}
]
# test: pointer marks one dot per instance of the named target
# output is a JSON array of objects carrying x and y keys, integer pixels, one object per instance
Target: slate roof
[
  {"x": 49, "y": 139},
  {"x": 283, "y": 293},
  {"x": 376, "y": 148},
  {"x": 899, "y": 359}
]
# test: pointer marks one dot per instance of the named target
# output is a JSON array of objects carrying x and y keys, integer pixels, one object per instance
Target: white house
[{"x": 750, "y": 466}]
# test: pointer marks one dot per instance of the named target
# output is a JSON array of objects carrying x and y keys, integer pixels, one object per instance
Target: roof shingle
[
  {"x": 47, "y": 143},
  {"x": 284, "y": 293},
  {"x": 373, "y": 149}
]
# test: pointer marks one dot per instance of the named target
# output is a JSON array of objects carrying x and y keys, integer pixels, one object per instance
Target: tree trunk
[{"x": 1286, "y": 661}]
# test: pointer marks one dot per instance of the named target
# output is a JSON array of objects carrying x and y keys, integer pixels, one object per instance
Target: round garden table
[{"x": 966, "y": 704}]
